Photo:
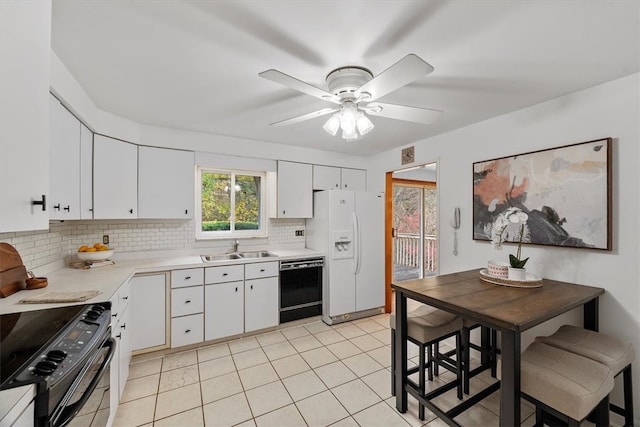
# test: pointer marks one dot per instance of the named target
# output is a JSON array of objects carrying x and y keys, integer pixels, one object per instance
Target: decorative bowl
[
  {"x": 95, "y": 256},
  {"x": 498, "y": 269}
]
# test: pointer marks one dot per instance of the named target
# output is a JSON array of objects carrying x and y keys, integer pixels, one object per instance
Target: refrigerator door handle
[{"x": 356, "y": 244}]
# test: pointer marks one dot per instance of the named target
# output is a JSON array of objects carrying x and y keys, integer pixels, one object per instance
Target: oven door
[{"x": 86, "y": 401}]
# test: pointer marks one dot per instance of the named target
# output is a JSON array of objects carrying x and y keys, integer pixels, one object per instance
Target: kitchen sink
[
  {"x": 236, "y": 255},
  {"x": 219, "y": 257},
  {"x": 255, "y": 254}
]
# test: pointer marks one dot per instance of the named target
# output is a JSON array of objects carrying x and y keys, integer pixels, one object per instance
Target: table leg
[
  {"x": 400, "y": 373},
  {"x": 485, "y": 343},
  {"x": 510, "y": 382},
  {"x": 590, "y": 315}
]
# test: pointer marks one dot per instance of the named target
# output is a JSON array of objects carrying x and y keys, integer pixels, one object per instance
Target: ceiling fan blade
[
  {"x": 304, "y": 117},
  {"x": 299, "y": 85},
  {"x": 408, "y": 69},
  {"x": 403, "y": 112}
]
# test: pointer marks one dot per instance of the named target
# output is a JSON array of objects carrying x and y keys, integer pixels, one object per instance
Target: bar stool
[
  {"x": 565, "y": 385},
  {"x": 467, "y": 345},
  {"x": 426, "y": 327},
  {"x": 604, "y": 349}
]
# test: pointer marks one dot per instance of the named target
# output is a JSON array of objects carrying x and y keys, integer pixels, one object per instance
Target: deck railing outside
[{"x": 407, "y": 251}]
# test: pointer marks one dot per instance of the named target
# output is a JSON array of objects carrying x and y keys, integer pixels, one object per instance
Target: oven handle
[{"x": 70, "y": 411}]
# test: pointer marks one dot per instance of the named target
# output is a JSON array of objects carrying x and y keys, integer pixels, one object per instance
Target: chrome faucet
[{"x": 235, "y": 245}]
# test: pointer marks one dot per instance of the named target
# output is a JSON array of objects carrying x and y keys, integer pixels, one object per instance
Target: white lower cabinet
[
  {"x": 224, "y": 315},
  {"x": 121, "y": 332},
  {"x": 187, "y": 306},
  {"x": 260, "y": 303},
  {"x": 149, "y": 312},
  {"x": 187, "y": 330}
]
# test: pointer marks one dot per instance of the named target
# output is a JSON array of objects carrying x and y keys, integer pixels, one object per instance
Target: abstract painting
[{"x": 565, "y": 191}]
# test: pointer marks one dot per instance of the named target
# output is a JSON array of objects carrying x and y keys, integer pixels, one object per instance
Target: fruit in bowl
[{"x": 96, "y": 252}]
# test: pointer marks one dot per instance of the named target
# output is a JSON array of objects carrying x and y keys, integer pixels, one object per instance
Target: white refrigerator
[{"x": 348, "y": 226}]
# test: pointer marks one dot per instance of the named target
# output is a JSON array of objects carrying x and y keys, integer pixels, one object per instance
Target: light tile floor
[{"x": 305, "y": 375}]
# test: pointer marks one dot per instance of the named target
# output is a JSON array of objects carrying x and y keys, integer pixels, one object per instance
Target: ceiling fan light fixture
[
  {"x": 348, "y": 118},
  {"x": 364, "y": 124},
  {"x": 332, "y": 125},
  {"x": 349, "y": 134}
]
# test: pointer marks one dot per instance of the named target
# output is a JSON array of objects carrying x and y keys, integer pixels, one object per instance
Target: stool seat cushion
[
  {"x": 602, "y": 348},
  {"x": 567, "y": 382},
  {"x": 426, "y": 324}
]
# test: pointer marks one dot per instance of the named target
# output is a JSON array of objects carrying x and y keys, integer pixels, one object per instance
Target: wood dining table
[{"x": 509, "y": 310}]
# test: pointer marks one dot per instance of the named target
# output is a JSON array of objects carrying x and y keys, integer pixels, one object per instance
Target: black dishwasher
[{"x": 300, "y": 288}]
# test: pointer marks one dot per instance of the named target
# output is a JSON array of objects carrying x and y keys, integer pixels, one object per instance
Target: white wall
[{"x": 608, "y": 110}]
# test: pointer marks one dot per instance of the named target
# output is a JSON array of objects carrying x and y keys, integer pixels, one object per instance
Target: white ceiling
[{"x": 194, "y": 64}]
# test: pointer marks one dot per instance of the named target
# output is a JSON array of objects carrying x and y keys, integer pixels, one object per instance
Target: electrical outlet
[
  {"x": 299, "y": 233},
  {"x": 105, "y": 239}
]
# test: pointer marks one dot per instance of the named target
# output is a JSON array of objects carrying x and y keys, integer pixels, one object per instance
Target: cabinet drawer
[
  {"x": 187, "y": 301},
  {"x": 187, "y": 330},
  {"x": 259, "y": 270},
  {"x": 187, "y": 277},
  {"x": 224, "y": 273}
]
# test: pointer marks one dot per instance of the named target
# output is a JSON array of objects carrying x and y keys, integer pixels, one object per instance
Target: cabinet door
[
  {"x": 24, "y": 114},
  {"x": 86, "y": 173},
  {"x": 165, "y": 183},
  {"x": 124, "y": 348},
  {"x": 295, "y": 190},
  {"x": 224, "y": 310},
  {"x": 354, "y": 179},
  {"x": 261, "y": 309},
  {"x": 326, "y": 177},
  {"x": 64, "y": 163},
  {"x": 115, "y": 179},
  {"x": 149, "y": 312}
]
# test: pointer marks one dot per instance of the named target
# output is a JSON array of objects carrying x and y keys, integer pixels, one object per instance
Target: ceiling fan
[{"x": 355, "y": 90}]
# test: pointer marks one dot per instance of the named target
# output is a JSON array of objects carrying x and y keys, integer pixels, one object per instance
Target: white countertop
[{"x": 108, "y": 279}]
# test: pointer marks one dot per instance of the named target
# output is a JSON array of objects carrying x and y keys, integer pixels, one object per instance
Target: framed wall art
[{"x": 565, "y": 191}]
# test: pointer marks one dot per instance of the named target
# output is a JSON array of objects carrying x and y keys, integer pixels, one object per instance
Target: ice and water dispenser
[{"x": 342, "y": 244}]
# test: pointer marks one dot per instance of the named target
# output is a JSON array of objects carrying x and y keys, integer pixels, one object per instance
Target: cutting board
[{"x": 13, "y": 274}]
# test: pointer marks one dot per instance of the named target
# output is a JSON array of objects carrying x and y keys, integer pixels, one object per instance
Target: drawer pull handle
[
  {"x": 125, "y": 298},
  {"x": 119, "y": 336},
  {"x": 187, "y": 301},
  {"x": 225, "y": 274},
  {"x": 262, "y": 270},
  {"x": 114, "y": 315},
  {"x": 187, "y": 331},
  {"x": 251, "y": 287},
  {"x": 236, "y": 289},
  {"x": 124, "y": 326},
  {"x": 187, "y": 278}
]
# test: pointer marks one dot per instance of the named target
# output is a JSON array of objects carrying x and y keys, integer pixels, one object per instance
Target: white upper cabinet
[
  {"x": 165, "y": 183},
  {"x": 353, "y": 179},
  {"x": 115, "y": 179},
  {"x": 64, "y": 163},
  {"x": 331, "y": 177},
  {"x": 24, "y": 114},
  {"x": 86, "y": 173},
  {"x": 326, "y": 177},
  {"x": 294, "y": 191}
]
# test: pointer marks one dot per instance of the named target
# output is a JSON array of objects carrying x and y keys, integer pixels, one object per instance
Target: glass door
[{"x": 414, "y": 217}]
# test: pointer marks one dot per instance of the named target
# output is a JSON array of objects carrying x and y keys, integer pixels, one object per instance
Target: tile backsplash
[{"x": 38, "y": 248}]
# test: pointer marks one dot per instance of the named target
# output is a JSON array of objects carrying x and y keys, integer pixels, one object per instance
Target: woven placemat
[{"x": 53, "y": 297}]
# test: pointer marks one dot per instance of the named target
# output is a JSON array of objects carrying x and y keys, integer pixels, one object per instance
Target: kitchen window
[{"x": 231, "y": 203}]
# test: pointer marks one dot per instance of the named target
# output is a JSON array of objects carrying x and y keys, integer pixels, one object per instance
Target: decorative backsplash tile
[{"x": 38, "y": 248}]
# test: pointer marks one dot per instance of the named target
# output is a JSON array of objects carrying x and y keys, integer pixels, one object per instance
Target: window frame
[{"x": 230, "y": 234}]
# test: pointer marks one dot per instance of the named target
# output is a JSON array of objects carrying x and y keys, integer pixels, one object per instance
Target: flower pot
[
  {"x": 498, "y": 269},
  {"x": 517, "y": 273}
]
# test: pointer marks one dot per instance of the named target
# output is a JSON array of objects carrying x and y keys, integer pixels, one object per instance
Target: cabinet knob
[
  {"x": 131, "y": 211},
  {"x": 90, "y": 209},
  {"x": 188, "y": 301},
  {"x": 187, "y": 331},
  {"x": 225, "y": 274},
  {"x": 187, "y": 278},
  {"x": 262, "y": 270},
  {"x": 337, "y": 185},
  {"x": 125, "y": 298},
  {"x": 251, "y": 287},
  {"x": 186, "y": 211},
  {"x": 67, "y": 208},
  {"x": 236, "y": 289},
  {"x": 284, "y": 212},
  {"x": 56, "y": 207},
  {"x": 42, "y": 202}
]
